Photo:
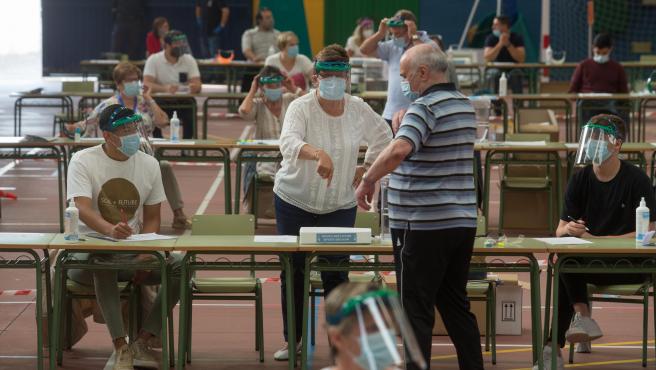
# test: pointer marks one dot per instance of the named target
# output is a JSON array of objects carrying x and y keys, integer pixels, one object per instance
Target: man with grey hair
[{"x": 432, "y": 203}]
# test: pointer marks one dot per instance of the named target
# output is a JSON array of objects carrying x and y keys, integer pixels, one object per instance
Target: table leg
[
  {"x": 285, "y": 261},
  {"x": 39, "y": 311},
  {"x": 56, "y": 315},
  {"x": 183, "y": 330},
  {"x": 536, "y": 320},
  {"x": 227, "y": 182},
  {"x": 164, "y": 335},
  {"x": 306, "y": 297},
  {"x": 238, "y": 171},
  {"x": 554, "y": 326}
]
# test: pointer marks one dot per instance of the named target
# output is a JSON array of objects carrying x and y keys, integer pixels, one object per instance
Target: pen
[
  {"x": 576, "y": 221},
  {"x": 101, "y": 237},
  {"x": 124, "y": 218}
]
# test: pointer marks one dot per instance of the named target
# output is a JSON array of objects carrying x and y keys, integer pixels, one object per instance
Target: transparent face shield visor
[
  {"x": 326, "y": 70},
  {"x": 180, "y": 41},
  {"x": 131, "y": 125},
  {"x": 383, "y": 331},
  {"x": 595, "y": 144}
]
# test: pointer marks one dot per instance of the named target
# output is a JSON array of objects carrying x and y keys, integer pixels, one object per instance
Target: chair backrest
[
  {"x": 77, "y": 86},
  {"x": 223, "y": 225},
  {"x": 481, "y": 229},
  {"x": 527, "y": 170},
  {"x": 368, "y": 219}
]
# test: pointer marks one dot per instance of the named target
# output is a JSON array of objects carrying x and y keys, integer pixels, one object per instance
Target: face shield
[
  {"x": 132, "y": 134},
  {"x": 179, "y": 45},
  {"x": 596, "y": 144},
  {"x": 378, "y": 323},
  {"x": 334, "y": 79}
]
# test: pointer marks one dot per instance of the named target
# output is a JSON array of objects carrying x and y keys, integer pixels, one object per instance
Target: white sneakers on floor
[
  {"x": 142, "y": 355},
  {"x": 123, "y": 359},
  {"x": 546, "y": 360},
  {"x": 583, "y": 329},
  {"x": 283, "y": 353}
]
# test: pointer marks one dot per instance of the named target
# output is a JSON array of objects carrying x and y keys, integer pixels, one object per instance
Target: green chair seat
[
  {"x": 618, "y": 289},
  {"x": 226, "y": 285},
  {"x": 526, "y": 182},
  {"x": 315, "y": 280}
]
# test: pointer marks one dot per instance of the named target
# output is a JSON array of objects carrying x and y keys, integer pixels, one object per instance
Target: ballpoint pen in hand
[{"x": 576, "y": 221}]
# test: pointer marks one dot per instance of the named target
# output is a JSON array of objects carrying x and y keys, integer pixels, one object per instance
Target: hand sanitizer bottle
[
  {"x": 71, "y": 223},
  {"x": 175, "y": 127},
  {"x": 642, "y": 221},
  {"x": 503, "y": 85}
]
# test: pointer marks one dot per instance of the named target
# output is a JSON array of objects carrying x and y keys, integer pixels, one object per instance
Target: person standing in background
[
  {"x": 259, "y": 42},
  {"x": 363, "y": 30},
  {"x": 128, "y": 18},
  {"x": 212, "y": 18},
  {"x": 155, "y": 38}
]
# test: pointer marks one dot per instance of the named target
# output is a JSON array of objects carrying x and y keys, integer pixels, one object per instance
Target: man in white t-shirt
[
  {"x": 118, "y": 191},
  {"x": 174, "y": 70}
]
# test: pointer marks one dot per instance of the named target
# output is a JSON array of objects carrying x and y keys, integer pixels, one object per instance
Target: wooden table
[
  {"x": 232, "y": 245},
  {"x": 26, "y": 243},
  {"x": 606, "y": 256},
  {"x": 515, "y": 248},
  {"x": 65, "y": 261}
]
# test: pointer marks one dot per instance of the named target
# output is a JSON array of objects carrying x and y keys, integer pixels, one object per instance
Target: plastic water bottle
[
  {"x": 642, "y": 221},
  {"x": 503, "y": 85},
  {"x": 175, "y": 127},
  {"x": 548, "y": 55},
  {"x": 71, "y": 223},
  {"x": 651, "y": 83},
  {"x": 78, "y": 134},
  {"x": 385, "y": 233}
]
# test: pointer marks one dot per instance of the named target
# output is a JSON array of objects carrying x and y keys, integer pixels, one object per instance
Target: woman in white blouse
[
  {"x": 294, "y": 65},
  {"x": 315, "y": 186},
  {"x": 363, "y": 30}
]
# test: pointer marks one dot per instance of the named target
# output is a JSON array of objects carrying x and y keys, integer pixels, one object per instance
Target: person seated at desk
[
  {"x": 118, "y": 191},
  {"x": 296, "y": 66},
  {"x": 315, "y": 186},
  {"x": 600, "y": 74},
  {"x": 362, "y": 322},
  {"x": 155, "y": 38},
  {"x": 174, "y": 70},
  {"x": 258, "y": 42},
  {"x": 600, "y": 201},
  {"x": 266, "y": 104},
  {"x": 129, "y": 94},
  {"x": 504, "y": 46}
]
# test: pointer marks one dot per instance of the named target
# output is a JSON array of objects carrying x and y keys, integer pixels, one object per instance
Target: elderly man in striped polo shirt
[{"x": 432, "y": 203}]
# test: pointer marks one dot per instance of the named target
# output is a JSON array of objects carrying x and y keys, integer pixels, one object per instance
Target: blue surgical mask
[
  {"x": 131, "y": 88},
  {"x": 130, "y": 144},
  {"x": 407, "y": 90},
  {"x": 597, "y": 151},
  {"x": 332, "y": 88},
  {"x": 292, "y": 51},
  {"x": 496, "y": 33},
  {"x": 273, "y": 94},
  {"x": 601, "y": 59},
  {"x": 399, "y": 42},
  {"x": 376, "y": 350}
]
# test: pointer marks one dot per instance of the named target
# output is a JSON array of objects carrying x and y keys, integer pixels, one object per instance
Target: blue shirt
[
  {"x": 433, "y": 188},
  {"x": 391, "y": 53}
]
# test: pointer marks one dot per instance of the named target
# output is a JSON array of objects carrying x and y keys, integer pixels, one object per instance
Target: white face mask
[
  {"x": 601, "y": 58},
  {"x": 367, "y": 33}
]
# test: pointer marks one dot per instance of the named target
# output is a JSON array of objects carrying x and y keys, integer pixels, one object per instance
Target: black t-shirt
[
  {"x": 211, "y": 11},
  {"x": 504, "y": 55},
  {"x": 608, "y": 208}
]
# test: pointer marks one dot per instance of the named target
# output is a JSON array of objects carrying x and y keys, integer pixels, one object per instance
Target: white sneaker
[
  {"x": 583, "y": 329},
  {"x": 123, "y": 359},
  {"x": 546, "y": 360},
  {"x": 583, "y": 347},
  {"x": 283, "y": 353},
  {"x": 142, "y": 355}
]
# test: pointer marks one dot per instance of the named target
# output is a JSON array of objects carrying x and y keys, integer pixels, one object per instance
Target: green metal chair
[
  {"x": 527, "y": 183},
  {"x": 624, "y": 293},
  {"x": 362, "y": 219},
  {"x": 73, "y": 87},
  {"x": 484, "y": 291},
  {"x": 248, "y": 288}
]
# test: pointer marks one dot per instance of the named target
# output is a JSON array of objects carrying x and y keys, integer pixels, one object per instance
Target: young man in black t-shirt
[
  {"x": 504, "y": 46},
  {"x": 600, "y": 201}
]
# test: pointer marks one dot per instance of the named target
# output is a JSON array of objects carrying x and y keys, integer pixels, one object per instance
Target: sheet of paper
[
  {"x": 570, "y": 240},
  {"x": 185, "y": 142},
  {"x": 571, "y": 145},
  {"x": 148, "y": 237},
  {"x": 594, "y": 94},
  {"x": 11, "y": 140},
  {"x": 260, "y": 142},
  {"x": 275, "y": 239},
  {"x": 524, "y": 143}
]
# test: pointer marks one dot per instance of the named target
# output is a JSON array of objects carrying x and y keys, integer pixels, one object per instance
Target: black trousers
[
  {"x": 433, "y": 267},
  {"x": 574, "y": 289},
  {"x": 289, "y": 220}
]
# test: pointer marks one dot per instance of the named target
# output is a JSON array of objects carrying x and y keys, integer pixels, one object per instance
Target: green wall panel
[
  {"x": 340, "y": 15},
  {"x": 289, "y": 15}
]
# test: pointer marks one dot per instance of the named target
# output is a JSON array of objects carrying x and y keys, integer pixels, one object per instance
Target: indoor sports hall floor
[{"x": 223, "y": 333}]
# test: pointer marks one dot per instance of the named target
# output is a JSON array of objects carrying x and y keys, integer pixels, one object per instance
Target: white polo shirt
[{"x": 166, "y": 73}]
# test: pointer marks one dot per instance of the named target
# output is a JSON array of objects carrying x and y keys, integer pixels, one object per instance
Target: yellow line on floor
[
  {"x": 443, "y": 357},
  {"x": 598, "y": 363}
]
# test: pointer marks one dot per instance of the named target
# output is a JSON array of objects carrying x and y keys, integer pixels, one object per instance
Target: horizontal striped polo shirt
[{"x": 433, "y": 188}]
